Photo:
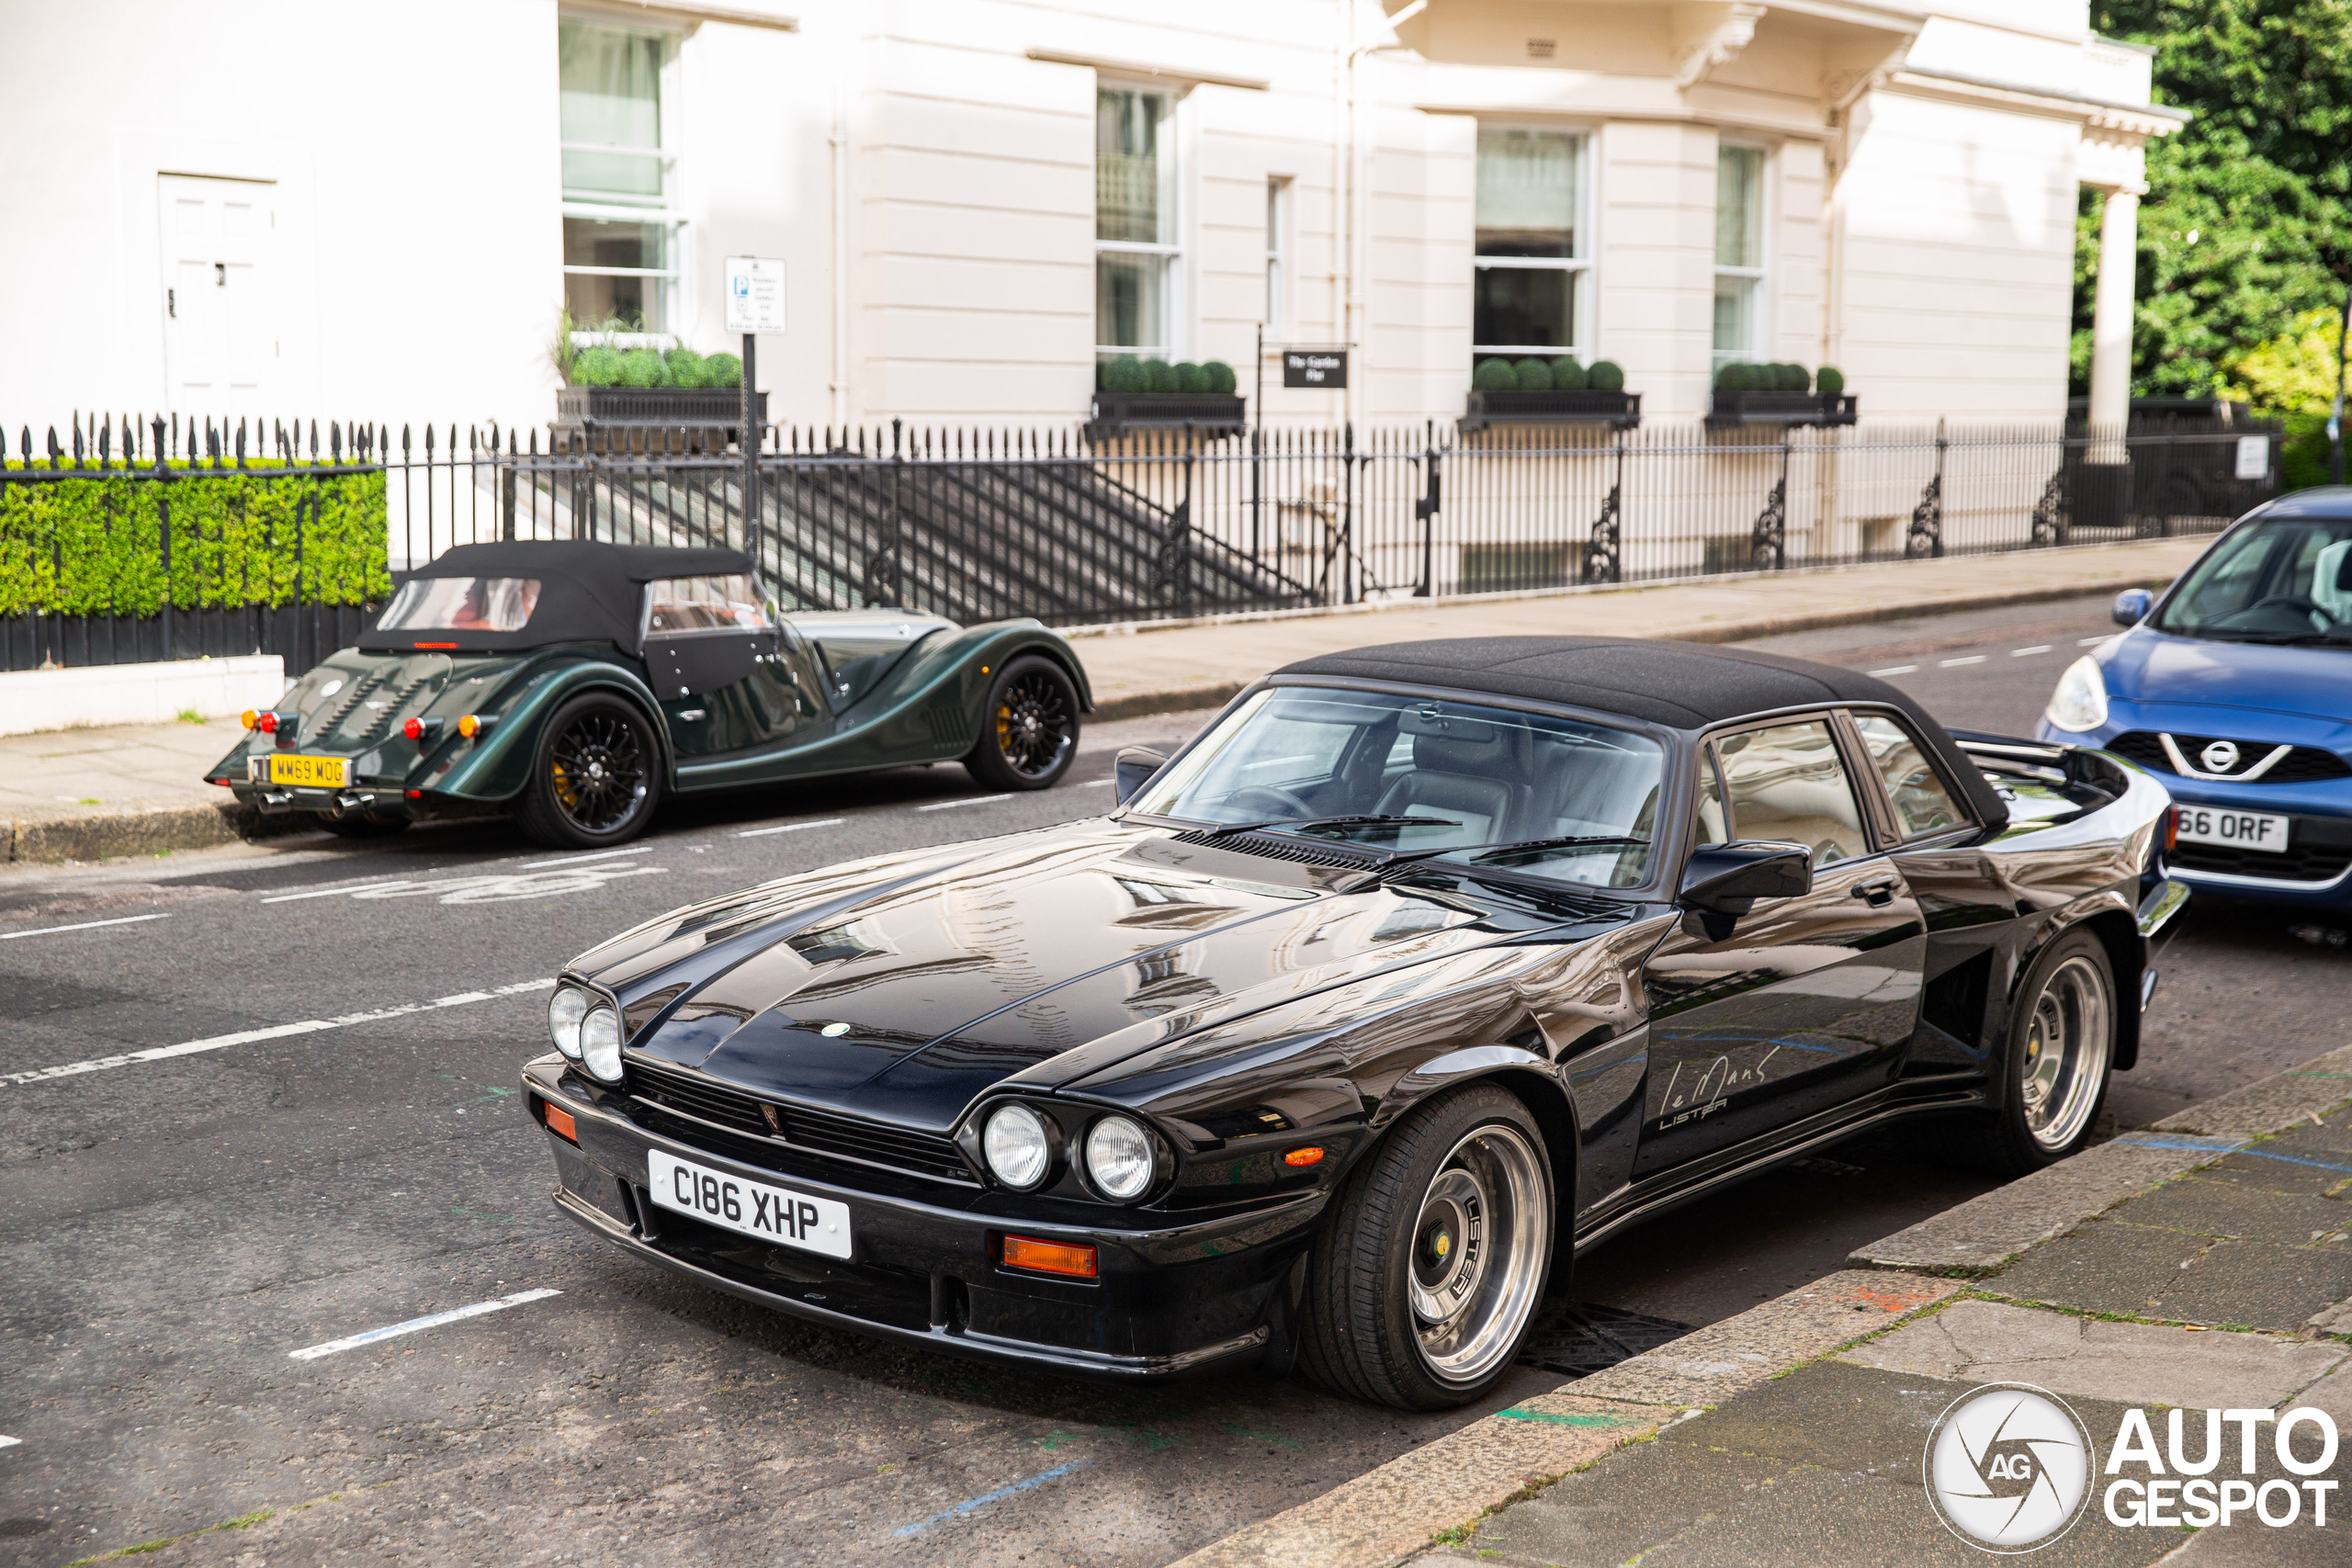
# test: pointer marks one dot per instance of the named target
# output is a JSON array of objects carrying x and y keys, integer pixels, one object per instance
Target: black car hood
[{"x": 903, "y": 987}]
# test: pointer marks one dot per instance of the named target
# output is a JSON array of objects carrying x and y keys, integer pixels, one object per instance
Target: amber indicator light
[
  {"x": 2172, "y": 828},
  {"x": 253, "y": 719},
  {"x": 1303, "y": 1157},
  {"x": 451, "y": 645},
  {"x": 471, "y": 725},
  {"x": 1045, "y": 1257},
  {"x": 559, "y": 1121}
]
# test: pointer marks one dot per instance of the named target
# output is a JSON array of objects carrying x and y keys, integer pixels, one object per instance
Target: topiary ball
[
  {"x": 1158, "y": 375},
  {"x": 685, "y": 368},
  {"x": 1222, "y": 379},
  {"x": 1731, "y": 377},
  {"x": 1568, "y": 374},
  {"x": 722, "y": 370},
  {"x": 1795, "y": 377},
  {"x": 1606, "y": 376},
  {"x": 640, "y": 367},
  {"x": 1191, "y": 378},
  {"x": 597, "y": 367},
  {"x": 1495, "y": 375},
  {"x": 1829, "y": 381},
  {"x": 1124, "y": 374},
  {"x": 1534, "y": 376}
]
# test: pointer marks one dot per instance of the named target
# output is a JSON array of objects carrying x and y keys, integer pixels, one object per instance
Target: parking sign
[{"x": 754, "y": 295}]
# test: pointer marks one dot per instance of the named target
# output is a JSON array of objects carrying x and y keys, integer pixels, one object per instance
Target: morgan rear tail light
[{"x": 423, "y": 731}]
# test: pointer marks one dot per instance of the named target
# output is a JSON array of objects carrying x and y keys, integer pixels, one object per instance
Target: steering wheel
[{"x": 1268, "y": 800}]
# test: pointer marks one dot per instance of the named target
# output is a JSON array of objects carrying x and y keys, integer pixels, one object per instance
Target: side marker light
[
  {"x": 475, "y": 724},
  {"x": 1046, "y": 1257},
  {"x": 252, "y": 717},
  {"x": 1303, "y": 1157},
  {"x": 2172, "y": 828},
  {"x": 559, "y": 1121}
]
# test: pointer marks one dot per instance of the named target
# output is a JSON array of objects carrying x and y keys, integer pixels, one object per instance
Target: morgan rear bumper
[{"x": 1170, "y": 1302}]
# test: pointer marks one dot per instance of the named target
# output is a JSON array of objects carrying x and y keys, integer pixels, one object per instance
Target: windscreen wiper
[
  {"x": 1516, "y": 846},
  {"x": 1292, "y": 822}
]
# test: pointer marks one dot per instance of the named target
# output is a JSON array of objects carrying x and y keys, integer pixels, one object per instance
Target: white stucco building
[{"x": 323, "y": 208}]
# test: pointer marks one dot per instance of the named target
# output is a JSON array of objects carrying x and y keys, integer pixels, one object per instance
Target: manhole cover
[{"x": 1576, "y": 1339}]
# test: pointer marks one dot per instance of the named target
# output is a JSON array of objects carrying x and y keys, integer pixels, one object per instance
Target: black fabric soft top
[
  {"x": 1682, "y": 685},
  {"x": 588, "y": 591}
]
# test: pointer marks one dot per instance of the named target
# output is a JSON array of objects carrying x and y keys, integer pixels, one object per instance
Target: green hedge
[{"x": 90, "y": 544}]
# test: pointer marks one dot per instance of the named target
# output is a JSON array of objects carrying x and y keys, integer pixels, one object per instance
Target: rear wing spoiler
[{"x": 2085, "y": 767}]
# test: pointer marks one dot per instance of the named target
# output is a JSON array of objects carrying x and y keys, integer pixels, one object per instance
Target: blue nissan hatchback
[{"x": 2235, "y": 689}]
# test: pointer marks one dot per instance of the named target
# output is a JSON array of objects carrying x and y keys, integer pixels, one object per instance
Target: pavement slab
[
  {"x": 2114, "y": 1266},
  {"x": 1979, "y": 1341},
  {"x": 2317, "y": 1086}
]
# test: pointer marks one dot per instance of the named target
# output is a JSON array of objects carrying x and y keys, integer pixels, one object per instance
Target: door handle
[{"x": 1877, "y": 894}]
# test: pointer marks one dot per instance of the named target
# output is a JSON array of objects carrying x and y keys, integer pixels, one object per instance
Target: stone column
[{"x": 2119, "y": 249}]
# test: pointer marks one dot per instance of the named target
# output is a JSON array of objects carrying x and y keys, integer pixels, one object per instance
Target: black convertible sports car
[{"x": 1422, "y": 968}]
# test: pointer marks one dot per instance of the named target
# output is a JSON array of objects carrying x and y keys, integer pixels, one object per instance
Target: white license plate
[
  {"x": 754, "y": 1208},
  {"x": 2239, "y": 829}
]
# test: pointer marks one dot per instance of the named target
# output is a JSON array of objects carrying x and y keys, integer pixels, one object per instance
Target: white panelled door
[{"x": 219, "y": 330}]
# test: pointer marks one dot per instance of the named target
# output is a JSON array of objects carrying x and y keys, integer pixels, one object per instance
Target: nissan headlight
[
  {"x": 565, "y": 1009},
  {"x": 600, "y": 1043},
  {"x": 1018, "y": 1146},
  {"x": 2080, "y": 701},
  {"x": 1119, "y": 1158}
]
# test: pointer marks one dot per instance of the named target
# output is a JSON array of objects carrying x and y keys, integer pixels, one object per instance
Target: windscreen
[
  {"x": 2287, "y": 580},
  {"x": 1480, "y": 786},
  {"x": 461, "y": 603}
]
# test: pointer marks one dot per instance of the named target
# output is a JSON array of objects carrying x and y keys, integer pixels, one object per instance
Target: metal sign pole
[{"x": 750, "y": 442}]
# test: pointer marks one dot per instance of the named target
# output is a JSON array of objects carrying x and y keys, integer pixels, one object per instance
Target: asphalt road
[{"x": 174, "y": 1226}]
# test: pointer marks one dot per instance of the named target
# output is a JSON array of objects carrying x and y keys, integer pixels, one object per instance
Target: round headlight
[
  {"x": 1118, "y": 1159},
  {"x": 565, "y": 1009},
  {"x": 1017, "y": 1146},
  {"x": 600, "y": 1043},
  {"x": 2080, "y": 701}
]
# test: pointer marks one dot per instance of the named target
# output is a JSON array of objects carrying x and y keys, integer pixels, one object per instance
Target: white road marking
[
  {"x": 1098, "y": 784},
  {"x": 974, "y": 800},
  {"x": 84, "y": 926},
  {"x": 355, "y": 883},
  {"x": 339, "y": 887},
  {"x": 495, "y": 888},
  {"x": 2021, "y": 652},
  {"x": 792, "y": 827},
  {"x": 10, "y": 1442},
  {"x": 582, "y": 860},
  {"x": 1949, "y": 663},
  {"x": 2087, "y": 641},
  {"x": 313, "y": 1352},
  {"x": 1896, "y": 670},
  {"x": 275, "y": 1031}
]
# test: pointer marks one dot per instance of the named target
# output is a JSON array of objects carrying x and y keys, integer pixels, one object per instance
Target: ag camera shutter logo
[{"x": 2008, "y": 1468}]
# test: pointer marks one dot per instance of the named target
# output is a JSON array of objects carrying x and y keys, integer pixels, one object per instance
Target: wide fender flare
[
  {"x": 1533, "y": 1079},
  {"x": 496, "y": 766},
  {"x": 2110, "y": 916}
]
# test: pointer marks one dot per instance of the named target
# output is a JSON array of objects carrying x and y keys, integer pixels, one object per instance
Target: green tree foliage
[
  {"x": 93, "y": 544},
  {"x": 2247, "y": 225}
]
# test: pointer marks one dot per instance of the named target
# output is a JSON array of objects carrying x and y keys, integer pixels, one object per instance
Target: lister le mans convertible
[
  {"x": 1420, "y": 969},
  {"x": 573, "y": 683}
]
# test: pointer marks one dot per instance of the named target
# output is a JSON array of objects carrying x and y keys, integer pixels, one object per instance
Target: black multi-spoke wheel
[
  {"x": 1029, "y": 729},
  {"x": 595, "y": 778}
]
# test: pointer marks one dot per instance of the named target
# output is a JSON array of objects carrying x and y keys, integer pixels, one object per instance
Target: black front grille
[
  {"x": 824, "y": 1133},
  {"x": 1307, "y": 851},
  {"x": 2303, "y": 765},
  {"x": 2297, "y": 863}
]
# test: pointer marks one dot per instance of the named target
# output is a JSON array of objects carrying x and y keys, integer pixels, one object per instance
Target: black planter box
[
  {"x": 1780, "y": 407},
  {"x": 695, "y": 408},
  {"x": 1620, "y": 411},
  {"x": 1215, "y": 413}
]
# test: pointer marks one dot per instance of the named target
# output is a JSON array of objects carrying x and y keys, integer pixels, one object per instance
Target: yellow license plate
[{"x": 318, "y": 772}]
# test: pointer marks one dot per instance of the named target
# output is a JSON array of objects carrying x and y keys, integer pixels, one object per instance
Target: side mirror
[
  {"x": 2131, "y": 606},
  {"x": 1724, "y": 881},
  {"x": 1133, "y": 769}
]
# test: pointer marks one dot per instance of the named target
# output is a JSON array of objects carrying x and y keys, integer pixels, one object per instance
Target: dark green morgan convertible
[{"x": 573, "y": 683}]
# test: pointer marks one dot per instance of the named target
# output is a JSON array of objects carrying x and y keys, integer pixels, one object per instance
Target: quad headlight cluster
[
  {"x": 1117, "y": 1156},
  {"x": 587, "y": 1030}
]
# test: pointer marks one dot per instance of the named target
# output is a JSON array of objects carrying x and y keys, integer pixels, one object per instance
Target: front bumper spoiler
[{"x": 1172, "y": 1300}]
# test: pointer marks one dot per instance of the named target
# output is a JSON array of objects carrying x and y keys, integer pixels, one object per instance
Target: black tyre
[
  {"x": 1432, "y": 1259},
  {"x": 363, "y": 824},
  {"x": 2060, "y": 1055},
  {"x": 1028, "y": 728},
  {"x": 595, "y": 777}
]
